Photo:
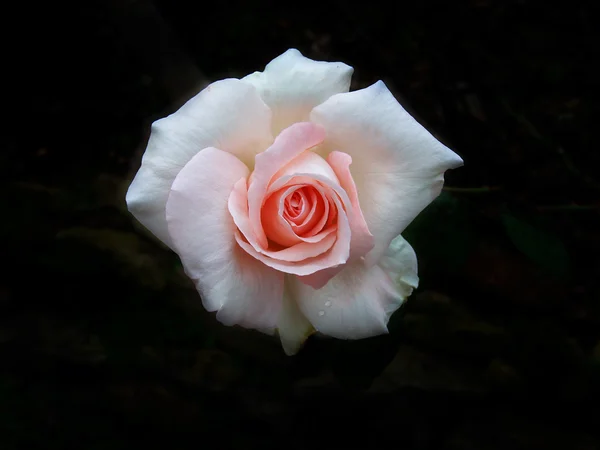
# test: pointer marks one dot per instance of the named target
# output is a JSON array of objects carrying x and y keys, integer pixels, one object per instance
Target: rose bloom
[{"x": 285, "y": 195}]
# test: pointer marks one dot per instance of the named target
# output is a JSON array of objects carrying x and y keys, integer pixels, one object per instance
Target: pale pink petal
[
  {"x": 336, "y": 255},
  {"x": 243, "y": 290},
  {"x": 330, "y": 212},
  {"x": 398, "y": 165},
  {"x": 297, "y": 205},
  {"x": 276, "y": 227},
  {"x": 228, "y": 114},
  {"x": 238, "y": 208},
  {"x": 303, "y": 250},
  {"x": 360, "y": 243},
  {"x": 358, "y": 302},
  {"x": 310, "y": 206},
  {"x": 308, "y": 162},
  {"x": 333, "y": 216},
  {"x": 279, "y": 230},
  {"x": 290, "y": 143},
  {"x": 362, "y": 239},
  {"x": 316, "y": 218},
  {"x": 317, "y": 279},
  {"x": 317, "y": 181},
  {"x": 293, "y": 85}
]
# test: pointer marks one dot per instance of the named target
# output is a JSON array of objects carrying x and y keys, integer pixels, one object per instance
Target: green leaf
[{"x": 542, "y": 247}]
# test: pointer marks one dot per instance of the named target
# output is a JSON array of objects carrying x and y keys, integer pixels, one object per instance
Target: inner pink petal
[
  {"x": 276, "y": 227},
  {"x": 328, "y": 191},
  {"x": 290, "y": 143},
  {"x": 297, "y": 206},
  {"x": 308, "y": 162},
  {"x": 336, "y": 251},
  {"x": 333, "y": 216},
  {"x": 238, "y": 208},
  {"x": 362, "y": 239},
  {"x": 316, "y": 222},
  {"x": 302, "y": 251},
  {"x": 310, "y": 209}
]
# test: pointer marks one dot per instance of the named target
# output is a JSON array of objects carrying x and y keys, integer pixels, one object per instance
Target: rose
[{"x": 285, "y": 195}]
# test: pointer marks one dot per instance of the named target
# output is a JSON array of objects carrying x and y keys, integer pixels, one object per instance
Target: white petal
[
  {"x": 358, "y": 302},
  {"x": 400, "y": 263},
  {"x": 227, "y": 114},
  {"x": 243, "y": 290},
  {"x": 398, "y": 166},
  {"x": 292, "y": 85},
  {"x": 293, "y": 327}
]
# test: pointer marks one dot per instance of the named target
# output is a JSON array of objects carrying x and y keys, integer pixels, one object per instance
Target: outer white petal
[
  {"x": 292, "y": 85},
  {"x": 227, "y": 114},
  {"x": 293, "y": 327},
  {"x": 358, "y": 302},
  {"x": 398, "y": 166},
  {"x": 243, "y": 290}
]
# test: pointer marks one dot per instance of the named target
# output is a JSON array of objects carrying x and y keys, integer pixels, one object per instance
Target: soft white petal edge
[
  {"x": 359, "y": 301},
  {"x": 227, "y": 114},
  {"x": 243, "y": 290},
  {"x": 292, "y": 85},
  {"x": 293, "y": 327},
  {"x": 398, "y": 166}
]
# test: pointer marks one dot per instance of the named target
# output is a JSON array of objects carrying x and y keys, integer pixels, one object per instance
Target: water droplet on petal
[
  {"x": 321, "y": 313},
  {"x": 328, "y": 303}
]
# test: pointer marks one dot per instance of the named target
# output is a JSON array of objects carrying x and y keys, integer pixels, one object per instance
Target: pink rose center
[
  {"x": 306, "y": 210},
  {"x": 296, "y": 206},
  {"x": 298, "y": 212}
]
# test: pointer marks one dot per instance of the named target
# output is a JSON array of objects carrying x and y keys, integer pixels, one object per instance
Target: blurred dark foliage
[{"x": 103, "y": 343}]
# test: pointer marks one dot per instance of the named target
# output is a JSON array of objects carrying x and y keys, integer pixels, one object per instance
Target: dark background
[{"x": 103, "y": 342}]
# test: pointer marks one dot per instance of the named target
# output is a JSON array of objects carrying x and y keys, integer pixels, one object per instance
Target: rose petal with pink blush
[
  {"x": 331, "y": 218},
  {"x": 238, "y": 208},
  {"x": 303, "y": 250},
  {"x": 319, "y": 183},
  {"x": 319, "y": 215},
  {"x": 362, "y": 239},
  {"x": 312, "y": 206},
  {"x": 341, "y": 204},
  {"x": 228, "y": 114},
  {"x": 279, "y": 230},
  {"x": 398, "y": 165},
  {"x": 243, "y": 290},
  {"x": 297, "y": 206},
  {"x": 290, "y": 143},
  {"x": 358, "y": 302},
  {"x": 308, "y": 162},
  {"x": 360, "y": 235},
  {"x": 336, "y": 255}
]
